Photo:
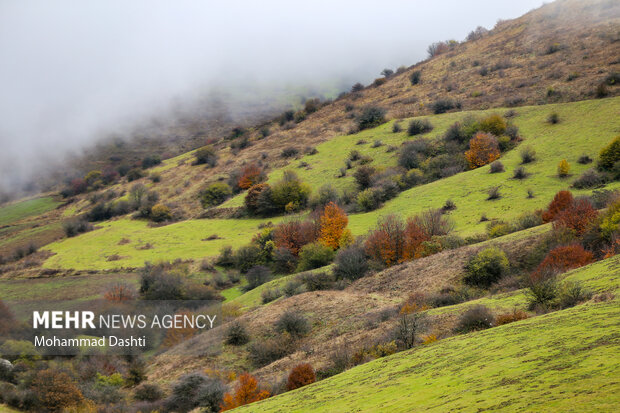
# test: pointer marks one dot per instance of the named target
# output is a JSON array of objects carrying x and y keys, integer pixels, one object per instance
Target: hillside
[
  {"x": 571, "y": 367},
  {"x": 444, "y": 239}
]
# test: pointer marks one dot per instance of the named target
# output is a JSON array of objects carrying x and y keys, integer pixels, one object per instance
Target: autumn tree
[
  {"x": 56, "y": 390},
  {"x": 563, "y": 168},
  {"x": 294, "y": 234},
  {"x": 120, "y": 292},
  {"x": 560, "y": 202},
  {"x": 483, "y": 149},
  {"x": 301, "y": 375},
  {"x": 577, "y": 216},
  {"x": 562, "y": 259},
  {"x": 394, "y": 241},
  {"x": 251, "y": 175},
  {"x": 247, "y": 391},
  {"x": 333, "y": 225}
]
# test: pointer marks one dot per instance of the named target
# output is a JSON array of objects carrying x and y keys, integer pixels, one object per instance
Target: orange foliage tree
[
  {"x": 120, "y": 292},
  {"x": 294, "y": 234},
  {"x": 333, "y": 225},
  {"x": 56, "y": 390},
  {"x": 560, "y": 202},
  {"x": 562, "y": 259},
  {"x": 301, "y": 375},
  {"x": 246, "y": 392},
  {"x": 250, "y": 175},
  {"x": 577, "y": 216},
  {"x": 393, "y": 241},
  {"x": 483, "y": 149}
]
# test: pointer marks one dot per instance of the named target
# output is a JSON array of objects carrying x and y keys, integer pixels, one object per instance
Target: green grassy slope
[
  {"x": 563, "y": 361},
  {"x": 24, "y": 209},
  {"x": 181, "y": 240},
  {"x": 584, "y": 127}
]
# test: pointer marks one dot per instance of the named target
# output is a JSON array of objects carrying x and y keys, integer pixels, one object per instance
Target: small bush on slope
[{"x": 486, "y": 268}]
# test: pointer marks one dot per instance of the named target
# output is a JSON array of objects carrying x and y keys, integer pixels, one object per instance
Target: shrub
[
  {"x": 293, "y": 287},
  {"x": 250, "y": 175},
  {"x": 314, "y": 255},
  {"x": 413, "y": 178},
  {"x": 301, "y": 375},
  {"x": 584, "y": 159},
  {"x": 246, "y": 392},
  {"x": 497, "y": 167},
  {"x": 120, "y": 292},
  {"x": 576, "y": 217},
  {"x": 475, "y": 318},
  {"x": 493, "y": 124},
  {"x": 363, "y": 176},
  {"x": 195, "y": 390},
  {"x": 589, "y": 179},
  {"x": 270, "y": 294},
  {"x": 493, "y": 193},
  {"x": 444, "y": 105},
  {"x": 396, "y": 128},
  {"x": 553, "y": 118},
  {"x": 408, "y": 328},
  {"x": 351, "y": 263},
  {"x": 371, "y": 117},
  {"x": 226, "y": 257},
  {"x": 410, "y": 156},
  {"x": 206, "y": 155},
  {"x": 483, "y": 149},
  {"x": 572, "y": 293},
  {"x": 325, "y": 195},
  {"x": 259, "y": 200},
  {"x": 542, "y": 294},
  {"x": 293, "y": 323},
  {"x": 151, "y": 160},
  {"x": 419, "y": 126},
  {"x": 520, "y": 173},
  {"x": 215, "y": 194},
  {"x": 486, "y": 268},
  {"x": 247, "y": 257},
  {"x": 563, "y": 168},
  {"x": 156, "y": 284},
  {"x": 508, "y": 318},
  {"x": 290, "y": 191},
  {"x": 56, "y": 390},
  {"x": 284, "y": 260},
  {"x": 148, "y": 392},
  {"x": 257, "y": 276},
  {"x": 160, "y": 212},
  {"x": 560, "y": 202},
  {"x": 294, "y": 234},
  {"x": 333, "y": 225},
  {"x": 237, "y": 334},
  {"x": 562, "y": 259},
  {"x": 317, "y": 281},
  {"x": 415, "y": 77},
  {"x": 369, "y": 199},
  {"x": 289, "y": 152},
  {"x": 76, "y": 226},
  {"x": 610, "y": 154},
  {"x": 528, "y": 155}
]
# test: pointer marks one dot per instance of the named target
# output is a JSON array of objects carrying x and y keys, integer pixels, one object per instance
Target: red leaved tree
[
  {"x": 301, "y": 375},
  {"x": 120, "y": 292},
  {"x": 246, "y": 392},
  {"x": 562, "y": 259},
  {"x": 560, "y": 202},
  {"x": 577, "y": 216},
  {"x": 333, "y": 225},
  {"x": 251, "y": 175}
]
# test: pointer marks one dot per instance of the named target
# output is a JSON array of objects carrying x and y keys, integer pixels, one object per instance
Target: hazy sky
[{"x": 72, "y": 70}]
